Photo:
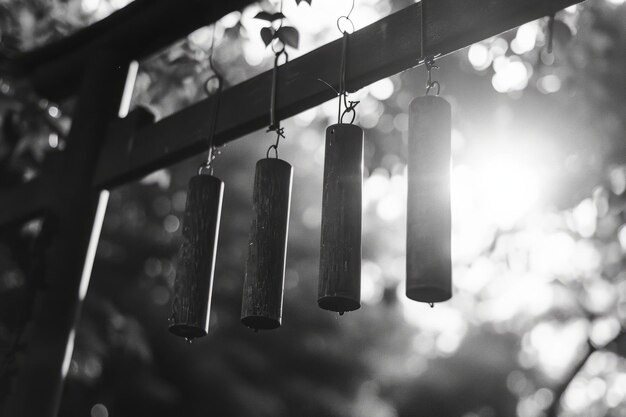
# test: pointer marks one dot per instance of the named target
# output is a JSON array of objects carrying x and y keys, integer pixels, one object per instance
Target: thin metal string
[
  {"x": 430, "y": 84},
  {"x": 349, "y": 106},
  {"x": 274, "y": 121},
  {"x": 207, "y": 165},
  {"x": 551, "y": 32},
  {"x": 429, "y": 60}
]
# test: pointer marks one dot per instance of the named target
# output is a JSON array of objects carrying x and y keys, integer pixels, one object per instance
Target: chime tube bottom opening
[
  {"x": 338, "y": 303},
  {"x": 428, "y": 294},
  {"x": 187, "y": 331},
  {"x": 260, "y": 322}
]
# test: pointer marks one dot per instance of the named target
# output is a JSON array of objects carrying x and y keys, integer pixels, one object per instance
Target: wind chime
[
  {"x": 339, "y": 287},
  {"x": 428, "y": 262},
  {"x": 428, "y": 268},
  {"x": 262, "y": 302},
  {"x": 193, "y": 285}
]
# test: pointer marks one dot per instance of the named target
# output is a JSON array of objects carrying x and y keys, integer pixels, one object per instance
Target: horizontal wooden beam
[
  {"x": 380, "y": 50},
  {"x": 136, "y": 146},
  {"x": 134, "y": 32}
]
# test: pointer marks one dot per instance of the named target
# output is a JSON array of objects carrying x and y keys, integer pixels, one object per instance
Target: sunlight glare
[
  {"x": 557, "y": 345},
  {"x": 479, "y": 56},
  {"x": 509, "y": 188},
  {"x": 585, "y": 216},
  {"x": 89, "y": 6},
  {"x": 382, "y": 89},
  {"x": 511, "y": 75},
  {"x": 525, "y": 38},
  {"x": 549, "y": 84},
  {"x": 372, "y": 283}
]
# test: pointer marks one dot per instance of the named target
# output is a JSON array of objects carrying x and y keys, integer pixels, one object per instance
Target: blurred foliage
[{"x": 539, "y": 190}]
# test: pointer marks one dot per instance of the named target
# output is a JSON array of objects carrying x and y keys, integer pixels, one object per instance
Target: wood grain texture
[
  {"x": 377, "y": 51},
  {"x": 428, "y": 264},
  {"x": 262, "y": 301},
  {"x": 196, "y": 262},
  {"x": 339, "y": 287}
]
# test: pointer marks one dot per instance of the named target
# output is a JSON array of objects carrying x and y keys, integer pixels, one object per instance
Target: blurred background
[{"x": 536, "y": 324}]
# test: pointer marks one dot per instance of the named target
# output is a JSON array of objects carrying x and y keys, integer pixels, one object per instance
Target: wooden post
[
  {"x": 428, "y": 230},
  {"x": 262, "y": 303},
  {"x": 339, "y": 286},
  {"x": 79, "y": 211}
]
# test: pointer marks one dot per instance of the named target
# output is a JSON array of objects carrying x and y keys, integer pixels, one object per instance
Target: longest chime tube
[
  {"x": 196, "y": 262},
  {"x": 339, "y": 286},
  {"x": 262, "y": 302},
  {"x": 428, "y": 263}
]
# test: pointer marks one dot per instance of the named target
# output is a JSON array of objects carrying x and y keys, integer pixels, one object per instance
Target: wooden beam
[
  {"x": 135, "y": 146},
  {"x": 380, "y": 50},
  {"x": 134, "y": 32},
  {"x": 79, "y": 211}
]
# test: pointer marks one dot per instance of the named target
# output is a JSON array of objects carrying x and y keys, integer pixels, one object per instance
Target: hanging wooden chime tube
[
  {"x": 194, "y": 276},
  {"x": 262, "y": 303},
  {"x": 193, "y": 285},
  {"x": 428, "y": 263},
  {"x": 339, "y": 286},
  {"x": 267, "y": 251}
]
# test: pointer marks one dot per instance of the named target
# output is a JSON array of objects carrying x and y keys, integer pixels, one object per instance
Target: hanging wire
[
  {"x": 274, "y": 121},
  {"x": 429, "y": 60},
  {"x": 551, "y": 32},
  {"x": 349, "y": 106},
  {"x": 422, "y": 28},
  {"x": 430, "y": 84},
  {"x": 207, "y": 165}
]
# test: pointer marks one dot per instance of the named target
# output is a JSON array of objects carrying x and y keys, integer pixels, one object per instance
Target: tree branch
[{"x": 559, "y": 391}]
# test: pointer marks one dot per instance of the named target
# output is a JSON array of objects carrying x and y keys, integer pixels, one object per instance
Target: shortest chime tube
[
  {"x": 262, "y": 302},
  {"x": 339, "y": 286},
  {"x": 428, "y": 263},
  {"x": 196, "y": 261}
]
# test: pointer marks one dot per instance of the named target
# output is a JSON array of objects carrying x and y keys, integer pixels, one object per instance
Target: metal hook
[
  {"x": 349, "y": 108},
  {"x": 208, "y": 164},
  {"x": 280, "y": 133},
  {"x": 347, "y": 20},
  {"x": 280, "y": 51},
  {"x": 430, "y": 84},
  {"x": 209, "y": 92}
]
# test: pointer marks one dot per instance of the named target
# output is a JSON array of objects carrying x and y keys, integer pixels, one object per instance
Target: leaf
[
  {"x": 270, "y": 17},
  {"x": 267, "y": 34},
  {"x": 289, "y": 36},
  {"x": 306, "y": 1}
]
